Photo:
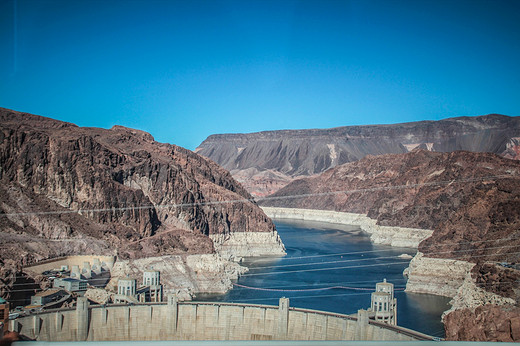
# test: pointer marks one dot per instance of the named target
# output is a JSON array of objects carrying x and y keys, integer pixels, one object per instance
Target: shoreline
[
  {"x": 385, "y": 235},
  {"x": 436, "y": 276}
]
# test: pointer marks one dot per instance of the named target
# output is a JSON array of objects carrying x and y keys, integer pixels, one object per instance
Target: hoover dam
[{"x": 176, "y": 320}]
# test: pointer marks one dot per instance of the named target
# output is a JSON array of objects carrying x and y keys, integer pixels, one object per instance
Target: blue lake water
[{"x": 321, "y": 256}]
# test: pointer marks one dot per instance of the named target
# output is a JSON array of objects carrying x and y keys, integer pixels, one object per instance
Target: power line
[
  {"x": 375, "y": 258},
  {"x": 245, "y": 200},
  {"x": 365, "y": 259},
  {"x": 312, "y": 289},
  {"x": 383, "y": 250},
  {"x": 362, "y": 266}
]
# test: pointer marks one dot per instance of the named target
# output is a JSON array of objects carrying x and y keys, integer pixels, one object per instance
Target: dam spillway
[{"x": 203, "y": 321}]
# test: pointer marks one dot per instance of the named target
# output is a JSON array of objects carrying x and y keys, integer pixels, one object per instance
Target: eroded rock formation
[
  {"x": 66, "y": 190},
  {"x": 471, "y": 201}
]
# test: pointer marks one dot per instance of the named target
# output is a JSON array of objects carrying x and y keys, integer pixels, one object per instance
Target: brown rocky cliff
[
  {"x": 484, "y": 323},
  {"x": 70, "y": 190},
  {"x": 470, "y": 200}
]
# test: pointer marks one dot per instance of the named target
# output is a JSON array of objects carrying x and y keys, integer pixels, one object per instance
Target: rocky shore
[
  {"x": 386, "y": 235},
  {"x": 437, "y": 276},
  {"x": 248, "y": 244},
  {"x": 183, "y": 275},
  {"x": 476, "y": 313},
  {"x": 68, "y": 190}
]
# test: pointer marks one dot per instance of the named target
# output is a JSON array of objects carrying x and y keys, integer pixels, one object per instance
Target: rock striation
[
  {"x": 246, "y": 244},
  {"x": 387, "y": 235},
  {"x": 66, "y": 190},
  {"x": 266, "y": 161},
  {"x": 437, "y": 276},
  {"x": 470, "y": 200}
]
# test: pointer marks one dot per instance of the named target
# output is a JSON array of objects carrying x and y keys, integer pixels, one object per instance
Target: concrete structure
[
  {"x": 107, "y": 262},
  {"x": 86, "y": 271},
  {"x": 47, "y": 296},
  {"x": 126, "y": 287},
  {"x": 151, "y": 291},
  {"x": 383, "y": 306},
  {"x": 75, "y": 272},
  {"x": 126, "y": 291},
  {"x": 70, "y": 284},
  {"x": 152, "y": 279},
  {"x": 96, "y": 266},
  {"x": 204, "y": 321},
  {"x": 4, "y": 316}
]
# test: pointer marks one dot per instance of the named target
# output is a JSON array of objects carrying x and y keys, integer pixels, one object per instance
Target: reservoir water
[{"x": 334, "y": 268}]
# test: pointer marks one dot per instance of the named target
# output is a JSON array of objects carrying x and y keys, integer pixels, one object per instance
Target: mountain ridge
[{"x": 266, "y": 161}]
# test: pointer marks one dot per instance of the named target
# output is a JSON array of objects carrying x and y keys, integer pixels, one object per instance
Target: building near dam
[
  {"x": 70, "y": 284},
  {"x": 150, "y": 291},
  {"x": 383, "y": 307}
]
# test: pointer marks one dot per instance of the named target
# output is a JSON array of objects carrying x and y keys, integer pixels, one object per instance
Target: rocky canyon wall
[{"x": 67, "y": 190}]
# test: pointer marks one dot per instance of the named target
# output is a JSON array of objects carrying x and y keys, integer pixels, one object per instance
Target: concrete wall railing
[{"x": 202, "y": 321}]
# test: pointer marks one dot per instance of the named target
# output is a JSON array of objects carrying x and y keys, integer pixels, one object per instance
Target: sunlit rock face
[
  {"x": 471, "y": 201},
  {"x": 65, "y": 190},
  {"x": 264, "y": 162}
]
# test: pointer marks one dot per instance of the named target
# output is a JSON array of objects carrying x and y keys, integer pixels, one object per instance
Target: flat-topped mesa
[
  {"x": 112, "y": 191},
  {"x": 288, "y": 154}
]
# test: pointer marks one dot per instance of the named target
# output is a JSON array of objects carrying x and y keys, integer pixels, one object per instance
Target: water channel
[{"x": 321, "y": 257}]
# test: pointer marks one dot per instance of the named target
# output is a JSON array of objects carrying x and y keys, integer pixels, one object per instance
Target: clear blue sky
[{"x": 183, "y": 70}]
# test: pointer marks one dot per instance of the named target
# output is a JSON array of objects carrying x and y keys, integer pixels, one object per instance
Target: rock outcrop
[
  {"x": 471, "y": 201},
  {"x": 484, "y": 323},
  {"x": 437, "y": 276},
  {"x": 183, "y": 275},
  {"x": 266, "y": 161},
  {"x": 66, "y": 190}
]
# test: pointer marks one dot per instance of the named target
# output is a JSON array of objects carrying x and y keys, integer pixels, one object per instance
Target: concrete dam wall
[{"x": 203, "y": 321}]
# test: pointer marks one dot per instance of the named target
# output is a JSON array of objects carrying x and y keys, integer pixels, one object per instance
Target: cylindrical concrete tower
[{"x": 383, "y": 303}]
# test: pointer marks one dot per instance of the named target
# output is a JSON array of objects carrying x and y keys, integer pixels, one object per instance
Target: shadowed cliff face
[
  {"x": 266, "y": 161},
  {"x": 71, "y": 190}
]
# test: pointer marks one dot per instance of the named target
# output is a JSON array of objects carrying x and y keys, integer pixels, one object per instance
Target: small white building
[{"x": 70, "y": 284}]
